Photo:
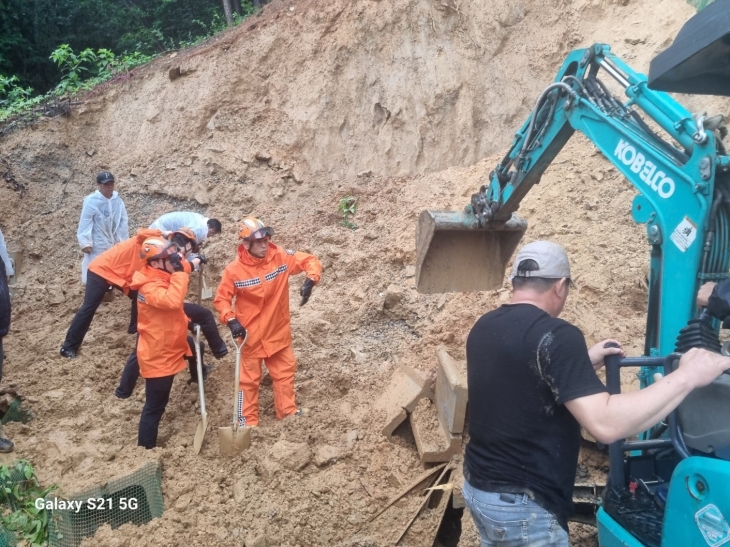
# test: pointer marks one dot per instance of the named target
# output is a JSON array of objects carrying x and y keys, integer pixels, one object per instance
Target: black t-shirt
[{"x": 522, "y": 366}]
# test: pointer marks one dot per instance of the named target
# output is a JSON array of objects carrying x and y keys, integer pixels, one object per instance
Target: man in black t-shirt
[{"x": 532, "y": 384}]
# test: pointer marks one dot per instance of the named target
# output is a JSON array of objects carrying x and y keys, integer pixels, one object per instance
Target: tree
[
  {"x": 30, "y": 30},
  {"x": 229, "y": 13}
]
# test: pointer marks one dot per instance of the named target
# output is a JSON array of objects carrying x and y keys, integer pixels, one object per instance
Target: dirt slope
[{"x": 403, "y": 104}]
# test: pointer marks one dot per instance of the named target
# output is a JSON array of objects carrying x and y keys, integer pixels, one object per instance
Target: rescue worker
[
  {"x": 258, "y": 280},
  {"x": 112, "y": 269},
  {"x": 161, "y": 286},
  {"x": 185, "y": 241},
  {"x": 6, "y": 445},
  {"x": 103, "y": 223},
  {"x": 202, "y": 226}
]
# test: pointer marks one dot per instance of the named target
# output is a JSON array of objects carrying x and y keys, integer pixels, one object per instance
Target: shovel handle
[
  {"x": 237, "y": 375},
  {"x": 199, "y": 364}
]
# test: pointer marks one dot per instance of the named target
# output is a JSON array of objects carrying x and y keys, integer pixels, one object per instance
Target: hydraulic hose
[{"x": 538, "y": 104}]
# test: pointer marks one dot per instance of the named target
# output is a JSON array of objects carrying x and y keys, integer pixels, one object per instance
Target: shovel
[
  {"x": 232, "y": 439},
  {"x": 203, "y": 422},
  {"x": 204, "y": 291}
]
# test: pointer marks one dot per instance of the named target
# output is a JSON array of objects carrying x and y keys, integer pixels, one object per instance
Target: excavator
[{"x": 671, "y": 486}]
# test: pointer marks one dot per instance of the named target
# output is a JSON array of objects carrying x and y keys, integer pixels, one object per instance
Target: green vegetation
[
  {"x": 347, "y": 208},
  {"x": 51, "y": 48},
  {"x": 19, "y": 489}
]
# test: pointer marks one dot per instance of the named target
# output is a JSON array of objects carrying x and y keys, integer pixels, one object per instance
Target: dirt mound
[{"x": 396, "y": 103}]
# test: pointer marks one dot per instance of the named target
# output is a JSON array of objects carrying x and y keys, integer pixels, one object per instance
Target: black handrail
[{"x": 614, "y": 364}]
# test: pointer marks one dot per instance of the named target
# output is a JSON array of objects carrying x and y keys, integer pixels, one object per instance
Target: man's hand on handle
[
  {"x": 237, "y": 329},
  {"x": 703, "y": 295},
  {"x": 599, "y": 352},
  {"x": 703, "y": 367},
  {"x": 86, "y": 250}
]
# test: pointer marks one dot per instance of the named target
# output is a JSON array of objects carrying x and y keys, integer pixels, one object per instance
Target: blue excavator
[{"x": 671, "y": 486}]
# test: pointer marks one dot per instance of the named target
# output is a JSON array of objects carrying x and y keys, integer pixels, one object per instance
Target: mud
[{"x": 404, "y": 105}]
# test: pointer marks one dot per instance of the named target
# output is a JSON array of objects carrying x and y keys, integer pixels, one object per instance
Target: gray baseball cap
[{"x": 551, "y": 259}]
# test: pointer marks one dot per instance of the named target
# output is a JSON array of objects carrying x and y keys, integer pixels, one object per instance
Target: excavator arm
[{"x": 673, "y": 160}]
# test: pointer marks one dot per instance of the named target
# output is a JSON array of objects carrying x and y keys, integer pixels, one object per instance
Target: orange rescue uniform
[
  {"x": 260, "y": 287},
  {"x": 161, "y": 323},
  {"x": 118, "y": 264}
]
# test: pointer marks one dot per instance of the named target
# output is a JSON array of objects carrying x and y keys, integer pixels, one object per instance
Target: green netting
[
  {"x": 16, "y": 413},
  {"x": 136, "y": 498},
  {"x": 700, "y": 4},
  {"x": 7, "y": 538}
]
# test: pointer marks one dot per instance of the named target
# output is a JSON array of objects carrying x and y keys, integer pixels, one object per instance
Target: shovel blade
[
  {"x": 455, "y": 254},
  {"x": 207, "y": 293},
  {"x": 233, "y": 441},
  {"x": 200, "y": 434}
]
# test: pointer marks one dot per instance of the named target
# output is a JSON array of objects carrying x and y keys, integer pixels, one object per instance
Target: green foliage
[
  {"x": 19, "y": 489},
  {"x": 80, "y": 71},
  {"x": 347, "y": 208},
  {"x": 30, "y": 30},
  {"x": 72, "y": 67},
  {"x": 15, "y": 99}
]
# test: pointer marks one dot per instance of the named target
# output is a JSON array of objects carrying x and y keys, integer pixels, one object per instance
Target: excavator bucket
[
  {"x": 455, "y": 254},
  {"x": 699, "y": 59}
]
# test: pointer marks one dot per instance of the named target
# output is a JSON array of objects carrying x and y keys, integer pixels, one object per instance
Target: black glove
[
  {"x": 202, "y": 258},
  {"x": 191, "y": 326},
  {"x": 176, "y": 262},
  {"x": 719, "y": 302},
  {"x": 306, "y": 291},
  {"x": 237, "y": 329}
]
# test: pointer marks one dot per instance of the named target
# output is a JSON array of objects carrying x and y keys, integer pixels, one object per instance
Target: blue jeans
[{"x": 512, "y": 520}]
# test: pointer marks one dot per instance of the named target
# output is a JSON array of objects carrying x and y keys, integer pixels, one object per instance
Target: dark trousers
[
  {"x": 96, "y": 288},
  {"x": 157, "y": 394},
  {"x": 204, "y": 317},
  {"x": 130, "y": 374}
]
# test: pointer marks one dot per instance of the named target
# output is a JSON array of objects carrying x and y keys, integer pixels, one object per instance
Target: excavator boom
[{"x": 673, "y": 160}]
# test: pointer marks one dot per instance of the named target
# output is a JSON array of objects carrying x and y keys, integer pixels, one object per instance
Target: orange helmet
[
  {"x": 188, "y": 234},
  {"x": 252, "y": 229},
  {"x": 156, "y": 247}
]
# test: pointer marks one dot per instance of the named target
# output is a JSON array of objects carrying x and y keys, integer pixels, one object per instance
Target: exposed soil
[{"x": 406, "y": 105}]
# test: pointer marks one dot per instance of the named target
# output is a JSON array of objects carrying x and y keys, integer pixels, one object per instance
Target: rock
[
  {"x": 326, "y": 454},
  {"x": 351, "y": 438},
  {"x": 202, "y": 197},
  {"x": 363, "y": 174},
  {"x": 256, "y": 541},
  {"x": 239, "y": 491},
  {"x": 410, "y": 271},
  {"x": 297, "y": 174},
  {"x": 55, "y": 296},
  {"x": 294, "y": 456},
  {"x": 262, "y": 156},
  {"x": 174, "y": 73},
  {"x": 392, "y": 298},
  {"x": 90, "y": 152}
]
